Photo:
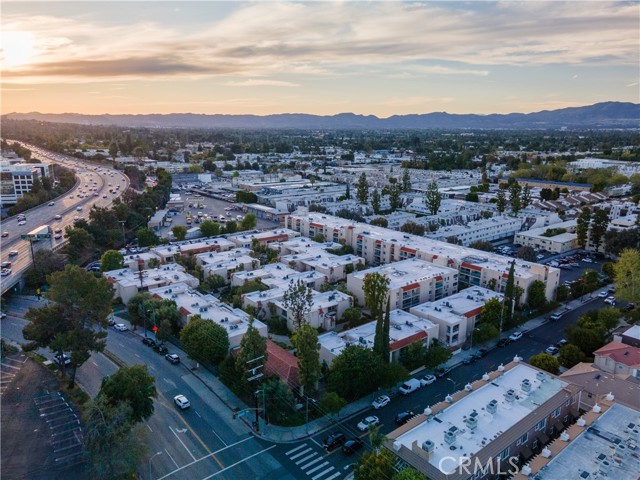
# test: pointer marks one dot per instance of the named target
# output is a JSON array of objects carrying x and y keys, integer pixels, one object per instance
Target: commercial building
[
  {"x": 499, "y": 421},
  {"x": 379, "y": 245},
  {"x": 558, "y": 238},
  {"x": 411, "y": 282},
  {"x": 456, "y": 315},
  {"x": 16, "y": 179},
  {"x": 405, "y": 330}
]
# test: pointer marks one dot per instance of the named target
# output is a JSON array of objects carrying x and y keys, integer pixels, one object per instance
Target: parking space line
[
  {"x": 323, "y": 473},
  {"x": 304, "y": 467},
  {"x": 295, "y": 449},
  {"x": 180, "y": 440},
  {"x": 301, "y": 453},
  {"x": 7, "y": 374},
  {"x": 10, "y": 366},
  {"x": 239, "y": 462},
  {"x": 304, "y": 459},
  {"x": 12, "y": 360},
  {"x": 174, "y": 462},
  {"x": 314, "y": 469}
]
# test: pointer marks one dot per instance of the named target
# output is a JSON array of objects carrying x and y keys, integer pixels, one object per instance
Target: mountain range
[{"x": 599, "y": 115}]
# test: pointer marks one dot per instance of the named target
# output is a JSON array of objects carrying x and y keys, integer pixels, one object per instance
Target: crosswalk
[{"x": 312, "y": 462}]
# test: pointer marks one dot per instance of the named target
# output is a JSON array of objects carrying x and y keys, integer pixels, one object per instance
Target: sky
[{"x": 372, "y": 58}]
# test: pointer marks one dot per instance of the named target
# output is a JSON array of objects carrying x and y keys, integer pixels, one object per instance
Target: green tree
[
  {"x": 209, "y": 228},
  {"x": 80, "y": 303},
  {"x": 372, "y": 465},
  {"x": 204, "y": 340},
  {"x": 111, "y": 260},
  {"x": 525, "y": 197},
  {"x": 139, "y": 308},
  {"x": 598, "y": 228},
  {"x": 492, "y": 311},
  {"x": 376, "y": 290},
  {"x": 394, "y": 197},
  {"x": 546, "y": 362},
  {"x": 510, "y": 291},
  {"x": 79, "y": 244},
  {"x": 381, "y": 339},
  {"x": 501, "y": 201},
  {"x": 436, "y": 355},
  {"x": 582, "y": 227},
  {"x": 231, "y": 227},
  {"x": 570, "y": 355},
  {"x": 318, "y": 237},
  {"x": 212, "y": 283},
  {"x": 536, "y": 296},
  {"x": 134, "y": 386},
  {"x": 277, "y": 400},
  {"x": 298, "y": 300},
  {"x": 308, "y": 356},
  {"x": 482, "y": 245},
  {"x": 380, "y": 222},
  {"x": 409, "y": 473},
  {"x": 347, "y": 192},
  {"x": 414, "y": 228},
  {"x": 362, "y": 189},
  {"x": 350, "y": 374},
  {"x": 331, "y": 403},
  {"x": 352, "y": 316},
  {"x": 432, "y": 198},
  {"x": 562, "y": 293},
  {"x": 146, "y": 237},
  {"x": 412, "y": 357},
  {"x": 253, "y": 353},
  {"x": 484, "y": 332},
  {"x": 406, "y": 181},
  {"x": 164, "y": 331},
  {"x": 45, "y": 263},
  {"x": 627, "y": 276},
  {"x": 526, "y": 253},
  {"x": 472, "y": 197},
  {"x": 514, "y": 198},
  {"x": 179, "y": 232},
  {"x": 375, "y": 201},
  {"x": 248, "y": 222}
]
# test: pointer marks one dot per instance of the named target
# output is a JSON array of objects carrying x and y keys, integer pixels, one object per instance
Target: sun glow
[{"x": 17, "y": 49}]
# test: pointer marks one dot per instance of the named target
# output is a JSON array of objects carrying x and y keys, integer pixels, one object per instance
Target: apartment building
[
  {"x": 168, "y": 253},
  {"x": 16, "y": 179},
  {"x": 405, "y": 329},
  {"x": 326, "y": 309},
  {"x": 190, "y": 302},
  {"x": 265, "y": 238},
  {"x": 499, "y": 421},
  {"x": 618, "y": 358},
  {"x": 490, "y": 229},
  {"x": 552, "y": 239},
  {"x": 379, "y": 245},
  {"x": 127, "y": 282},
  {"x": 137, "y": 261},
  {"x": 225, "y": 264},
  {"x": 456, "y": 315}
]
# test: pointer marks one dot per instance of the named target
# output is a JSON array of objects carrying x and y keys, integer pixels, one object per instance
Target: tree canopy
[
  {"x": 134, "y": 386},
  {"x": 204, "y": 340}
]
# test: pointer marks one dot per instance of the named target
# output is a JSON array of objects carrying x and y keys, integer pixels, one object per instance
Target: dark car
[
  {"x": 149, "y": 341},
  {"x": 352, "y": 446},
  {"x": 628, "y": 307},
  {"x": 469, "y": 359},
  {"x": 503, "y": 342},
  {"x": 334, "y": 440},
  {"x": 403, "y": 417},
  {"x": 112, "y": 322},
  {"x": 441, "y": 372},
  {"x": 481, "y": 353},
  {"x": 161, "y": 349}
]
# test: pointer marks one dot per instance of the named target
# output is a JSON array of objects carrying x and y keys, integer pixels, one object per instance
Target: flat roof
[
  {"x": 217, "y": 257},
  {"x": 172, "y": 271},
  {"x": 454, "y": 418},
  {"x": 466, "y": 303},
  {"x": 407, "y": 271}
]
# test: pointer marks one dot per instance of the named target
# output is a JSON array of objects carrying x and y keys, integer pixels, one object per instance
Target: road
[{"x": 73, "y": 205}]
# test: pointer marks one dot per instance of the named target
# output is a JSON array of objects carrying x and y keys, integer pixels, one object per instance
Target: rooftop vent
[
  {"x": 428, "y": 446},
  {"x": 546, "y": 453},
  {"x": 510, "y": 396},
  {"x": 492, "y": 406},
  {"x": 472, "y": 421},
  {"x": 450, "y": 435},
  {"x": 540, "y": 376},
  {"x": 525, "y": 385}
]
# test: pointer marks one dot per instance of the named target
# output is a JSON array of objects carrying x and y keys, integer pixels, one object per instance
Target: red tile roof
[
  {"x": 620, "y": 353},
  {"x": 283, "y": 364}
]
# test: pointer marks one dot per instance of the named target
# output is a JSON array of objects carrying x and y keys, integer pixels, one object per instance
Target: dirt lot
[{"x": 30, "y": 432}]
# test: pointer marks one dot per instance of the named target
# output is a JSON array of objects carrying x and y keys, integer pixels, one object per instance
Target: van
[{"x": 409, "y": 386}]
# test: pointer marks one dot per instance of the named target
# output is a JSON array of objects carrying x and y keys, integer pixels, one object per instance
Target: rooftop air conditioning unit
[{"x": 492, "y": 407}]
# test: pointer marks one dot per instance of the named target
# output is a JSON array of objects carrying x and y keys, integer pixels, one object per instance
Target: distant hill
[{"x": 599, "y": 115}]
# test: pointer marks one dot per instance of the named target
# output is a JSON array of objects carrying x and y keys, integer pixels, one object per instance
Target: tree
[
  {"x": 278, "y": 400},
  {"x": 412, "y": 357},
  {"x": 482, "y": 245},
  {"x": 526, "y": 253},
  {"x": 510, "y": 289},
  {"x": 409, "y": 473},
  {"x": 209, "y": 228},
  {"x": 362, "y": 189},
  {"x": 79, "y": 241},
  {"x": 582, "y": 227},
  {"x": 380, "y": 222},
  {"x": 231, "y": 227},
  {"x": 570, "y": 355},
  {"x": 406, "y": 181},
  {"x": 375, "y": 201},
  {"x": 376, "y": 289},
  {"x": 562, "y": 293},
  {"x": 381, "y": 338},
  {"x": 501, "y": 201},
  {"x": 394, "y": 197},
  {"x": 514, "y": 198},
  {"x": 298, "y": 300},
  {"x": 352, "y": 316},
  {"x": 536, "y": 296},
  {"x": 436, "y": 355},
  {"x": 318, "y": 237},
  {"x": 212, "y": 283},
  {"x": 374, "y": 465},
  {"x": 44, "y": 263},
  {"x": 253, "y": 352},
  {"x": 598, "y": 228},
  {"x": 179, "y": 232},
  {"x": 350, "y": 374},
  {"x": 80, "y": 303},
  {"x": 204, "y": 340},
  {"x": 308, "y": 356},
  {"x": 484, "y": 332},
  {"x": 249, "y": 222},
  {"x": 414, "y": 228},
  {"x": 525, "y": 198},
  {"x": 139, "y": 308},
  {"x": 331, "y": 403},
  {"x": 432, "y": 198},
  {"x": 492, "y": 311},
  {"x": 146, "y": 237},
  {"x": 546, "y": 194},
  {"x": 472, "y": 197},
  {"x": 111, "y": 260},
  {"x": 627, "y": 276},
  {"x": 347, "y": 192},
  {"x": 134, "y": 386},
  {"x": 547, "y": 362}
]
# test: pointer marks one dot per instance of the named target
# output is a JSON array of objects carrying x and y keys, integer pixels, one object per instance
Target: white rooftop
[
  {"x": 465, "y": 303},
  {"x": 207, "y": 258},
  {"x": 171, "y": 272},
  {"x": 408, "y": 271},
  {"x": 489, "y": 426},
  {"x": 266, "y": 236},
  {"x": 193, "y": 246},
  {"x": 322, "y": 300}
]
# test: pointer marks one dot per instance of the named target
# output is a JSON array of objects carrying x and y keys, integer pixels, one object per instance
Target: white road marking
[
  {"x": 337, "y": 474},
  {"x": 137, "y": 355},
  {"x": 11, "y": 366},
  {"x": 316, "y": 443},
  {"x": 299, "y": 454},
  {"x": 317, "y": 468},
  {"x": 94, "y": 363},
  {"x": 238, "y": 463},
  {"x": 174, "y": 462},
  {"x": 149, "y": 427},
  {"x": 295, "y": 449},
  {"x": 322, "y": 474},
  {"x": 304, "y": 467},
  {"x": 219, "y": 437},
  {"x": 197, "y": 414},
  {"x": 206, "y": 456},
  {"x": 180, "y": 440},
  {"x": 304, "y": 459}
]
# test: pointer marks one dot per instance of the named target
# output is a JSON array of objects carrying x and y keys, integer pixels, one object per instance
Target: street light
[
  {"x": 151, "y": 458},
  {"x": 454, "y": 384}
]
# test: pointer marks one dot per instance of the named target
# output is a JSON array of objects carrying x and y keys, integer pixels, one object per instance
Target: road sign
[{"x": 39, "y": 236}]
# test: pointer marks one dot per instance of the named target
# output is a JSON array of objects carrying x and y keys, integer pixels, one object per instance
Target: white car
[
  {"x": 552, "y": 350},
  {"x": 5, "y": 271},
  {"x": 22, "y": 222},
  {"x": 79, "y": 209},
  {"x": 121, "y": 327},
  {"x": 58, "y": 217},
  {"x": 370, "y": 421},
  {"x": 380, "y": 402},
  {"x": 603, "y": 294},
  {"x": 610, "y": 301},
  {"x": 515, "y": 336},
  {"x": 427, "y": 380},
  {"x": 182, "y": 402},
  {"x": 51, "y": 204}
]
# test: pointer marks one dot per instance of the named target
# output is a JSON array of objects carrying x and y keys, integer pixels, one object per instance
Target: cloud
[
  {"x": 633, "y": 84},
  {"x": 261, "y": 83}
]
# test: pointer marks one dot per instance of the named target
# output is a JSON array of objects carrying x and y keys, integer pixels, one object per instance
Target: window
[
  {"x": 541, "y": 424},
  {"x": 556, "y": 413},
  {"x": 523, "y": 439},
  {"x": 504, "y": 454}
]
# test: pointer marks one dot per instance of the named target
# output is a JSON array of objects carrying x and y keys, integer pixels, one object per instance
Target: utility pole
[
  {"x": 253, "y": 367},
  {"x": 124, "y": 238}
]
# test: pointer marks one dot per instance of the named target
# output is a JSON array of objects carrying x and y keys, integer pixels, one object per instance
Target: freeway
[{"x": 92, "y": 188}]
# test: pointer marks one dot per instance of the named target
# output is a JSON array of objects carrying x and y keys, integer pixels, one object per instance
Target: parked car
[
  {"x": 352, "y": 446},
  {"x": 481, "y": 353},
  {"x": 161, "y": 348},
  {"x": 603, "y": 294},
  {"x": 427, "y": 380},
  {"x": 182, "y": 402},
  {"x": 121, "y": 327},
  {"x": 410, "y": 386},
  {"x": 554, "y": 317},
  {"x": 404, "y": 417},
  {"x": 469, "y": 359},
  {"x": 333, "y": 441},
  {"x": 172, "y": 358},
  {"x": 5, "y": 234},
  {"x": 63, "y": 358},
  {"x": 149, "y": 341},
  {"x": 503, "y": 342},
  {"x": 552, "y": 350},
  {"x": 515, "y": 336},
  {"x": 562, "y": 343},
  {"x": 380, "y": 402},
  {"x": 442, "y": 371},
  {"x": 370, "y": 421},
  {"x": 628, "y": 307},
  {"x": 112, "y": 322},
  {"x": 610, "y": 301}
]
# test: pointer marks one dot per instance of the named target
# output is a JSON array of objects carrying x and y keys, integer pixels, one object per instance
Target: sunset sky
[{"x": 380, "y": 58}]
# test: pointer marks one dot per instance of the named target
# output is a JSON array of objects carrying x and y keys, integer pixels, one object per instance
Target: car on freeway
[
  {"x": 370, "y": 421},
  {"x": 5, "y": 234},
  {"x": 552, "y": 350},
  {"x": 57, "y": 236},
  {"x": 121, "y": 327},
  {"x": 22, "y": 222},
  {"x": 5, "y": 265},
  {"x": 333, "y": 441},
  {"x": 404, "y": 417},
  {"x": 352, "y": 446},
  {"x": 150, "y": 342},
  {"x": 380, "y": 402},
  {"x": 603, "y": 294},
  {"x": 515, "y": 336},
  {"x": 427, "y": 380},
  {"x": 503, "y": 342},
  {"x": 182, "y": 402},
  {"x": 13, "y": 253},
  {"x": 172, "y": 358},
  {"x": 58, "y": 217},
  {"x": 481, "y": 353},
  {"x": 5, "y": 271},
  {"x": 57, "y": 230}
]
